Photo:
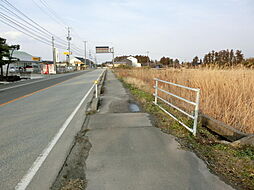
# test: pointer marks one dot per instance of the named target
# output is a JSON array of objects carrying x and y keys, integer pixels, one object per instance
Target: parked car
[
  {"x": 12, "y": 70},
  {"x": 29, "y": 69}
]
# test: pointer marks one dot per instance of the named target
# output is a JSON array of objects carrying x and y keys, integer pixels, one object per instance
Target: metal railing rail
[{"x": 196, "y": 103}]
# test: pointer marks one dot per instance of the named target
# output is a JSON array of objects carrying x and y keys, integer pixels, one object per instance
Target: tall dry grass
[{"x": 226, "y": 95}]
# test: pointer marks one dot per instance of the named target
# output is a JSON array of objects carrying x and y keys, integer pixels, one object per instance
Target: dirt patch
[{"x": 72, "y": 175}]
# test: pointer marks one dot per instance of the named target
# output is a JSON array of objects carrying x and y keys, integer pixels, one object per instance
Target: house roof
[
  {"x": 22, "y": 56},
  {"x": 83, "y": 60}
]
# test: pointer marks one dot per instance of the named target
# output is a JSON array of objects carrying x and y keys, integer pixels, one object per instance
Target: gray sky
[{"x": 175, "y": 28}]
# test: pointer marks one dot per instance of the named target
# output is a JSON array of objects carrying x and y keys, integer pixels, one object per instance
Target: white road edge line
[
  {"x": 25, "y": 181},
  {"x": 34, "y": 82}
]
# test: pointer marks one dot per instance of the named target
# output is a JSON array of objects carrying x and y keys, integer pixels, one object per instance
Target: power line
[
  {"x": 53, "y": 12},
  {"x": 34, "y": 23},
  {"x": 11, "y": 22},
  {"x": 14, "y": 14},
  {"x": 33, "y": 30},
  {"x": 49, "y": 9},
  {"x": 17, "y": 10},
  {"x": 19, "y": 25},
  {"x": 28, "y": 27},
  {"x": 25, "y": 32},
  {"x": 46, "y": 12}
]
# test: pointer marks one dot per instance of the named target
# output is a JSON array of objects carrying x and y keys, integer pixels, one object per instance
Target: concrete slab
[
  {"x": 119, "y": 120},
  {"x": 144, "y": 158},
  {"x": 115, "y": 98}
]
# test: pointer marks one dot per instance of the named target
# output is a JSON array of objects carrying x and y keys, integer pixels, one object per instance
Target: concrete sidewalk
[{"x": 129, "y": 153}]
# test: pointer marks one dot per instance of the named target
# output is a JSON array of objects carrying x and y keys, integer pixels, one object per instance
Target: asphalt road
[
  {"x": 28, "y": 124},
  {"x": 20, "y": 89}
]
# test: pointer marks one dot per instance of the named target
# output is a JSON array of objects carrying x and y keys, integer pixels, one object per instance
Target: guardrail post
[
  {"x": 156, "y": 92},
  {"x": 96, "y": 88},
  {"x": 196, "y": 113}
]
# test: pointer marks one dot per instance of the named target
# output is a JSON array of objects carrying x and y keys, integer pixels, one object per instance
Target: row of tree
[
  {"x": 169, "y": 62},
  {"x": 224, "y": 57},
  {"x": 220, "y": 58}
]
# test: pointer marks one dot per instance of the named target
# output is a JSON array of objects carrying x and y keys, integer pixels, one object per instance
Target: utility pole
[
  {"x": 85, "y": 42},
  {"x": 90, "y": 56},
  {"x": 95, "y": 60},
  {"x": 147, "y": 53},
  {"x": 54, "y": 53},
  {"x": 69, "y": 45},
  {"x": 113, "y": 54}
]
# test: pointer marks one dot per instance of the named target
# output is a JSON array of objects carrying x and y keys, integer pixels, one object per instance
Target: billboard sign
[{"x": 103, "y": 49}]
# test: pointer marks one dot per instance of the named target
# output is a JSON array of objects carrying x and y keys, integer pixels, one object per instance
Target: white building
[
  {"x": 134, "y": 61},
  {"x": 25, "y": 63}
]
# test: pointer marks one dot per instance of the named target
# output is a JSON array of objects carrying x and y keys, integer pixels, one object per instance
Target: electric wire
[
  {"x": 41, "y": 34},
  {"x": 46, "y": 12},
  {"x": 25, "y": 32},
  {"x": 15, "y": 15},
  {"x": 32, "y": 21},
  {"x": 53, "y": 12}
]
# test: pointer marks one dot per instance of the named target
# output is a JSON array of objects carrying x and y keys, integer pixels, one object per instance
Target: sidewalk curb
[{"x": 95, "y": 101}]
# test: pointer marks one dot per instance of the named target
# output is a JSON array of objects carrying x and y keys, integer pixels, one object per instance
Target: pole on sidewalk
[
  {"x": 113, "y": 55},
  {"x": 156, "y": 92},
  {"x": 85, "y": 42},
  {"x": 54, "y": 53},
  {"x": 96, "y": 88},
  {"x": 69, "y": 45}
]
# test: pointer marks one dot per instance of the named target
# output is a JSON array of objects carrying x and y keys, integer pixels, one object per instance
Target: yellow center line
[{"x": 30, "y": 94}]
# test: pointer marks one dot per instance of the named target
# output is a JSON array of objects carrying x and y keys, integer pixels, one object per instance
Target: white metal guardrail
[{"x": 195, "y": 104}]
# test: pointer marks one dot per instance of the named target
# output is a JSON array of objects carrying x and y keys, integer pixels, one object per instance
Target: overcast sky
[{"x": 175, "y": 28}]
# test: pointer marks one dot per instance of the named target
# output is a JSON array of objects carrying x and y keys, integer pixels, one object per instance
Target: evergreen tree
[
  {"x": 195, "y": 61},
  {"x": 4, "y": 53},
  {"x": 239, "y": 57},
  {"x": 176, "y": 63},
  {"x": 231, "y": 57}
]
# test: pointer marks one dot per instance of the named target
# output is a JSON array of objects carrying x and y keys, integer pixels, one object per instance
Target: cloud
[{"x": 13, "y": 35}]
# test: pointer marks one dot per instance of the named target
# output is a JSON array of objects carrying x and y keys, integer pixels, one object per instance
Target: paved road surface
[
  {"x": 25, "y": 87},
  {"x": 28, "y": 124}
]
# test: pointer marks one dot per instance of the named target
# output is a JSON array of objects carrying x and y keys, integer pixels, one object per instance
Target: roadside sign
[
  {"x": 67, "y": 53},
  {"x": 36, "y": 58}
]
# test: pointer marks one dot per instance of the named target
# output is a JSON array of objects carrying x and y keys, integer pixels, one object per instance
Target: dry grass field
[{"x": 226, "y": 95}]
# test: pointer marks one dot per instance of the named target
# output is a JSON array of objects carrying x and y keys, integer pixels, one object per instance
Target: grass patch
[
  {"x": 226, "y": 95},
  {"x": 233, "y": 165}
]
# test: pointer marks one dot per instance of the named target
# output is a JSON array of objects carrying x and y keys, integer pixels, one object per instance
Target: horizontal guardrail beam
[
  {"x": 178, "y": 85},
  {"x": 180, "y": 98}
]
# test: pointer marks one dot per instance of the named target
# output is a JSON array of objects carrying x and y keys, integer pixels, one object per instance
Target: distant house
[
  {"x": 117, "y": 64},
  {"x": 134, "y": 61},
  {"x": 80, "y": 63},
  {"x": 130, "y": 61}
]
